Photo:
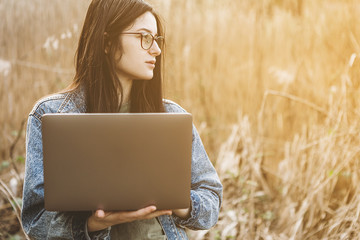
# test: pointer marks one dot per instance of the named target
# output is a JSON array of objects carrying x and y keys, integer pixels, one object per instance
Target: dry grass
[
  {"x": 287, "y": 73},
  {"x": 313, "y": 193}
]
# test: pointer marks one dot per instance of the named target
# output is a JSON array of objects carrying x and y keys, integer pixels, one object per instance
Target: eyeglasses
[{"x": 147, "y": 39}]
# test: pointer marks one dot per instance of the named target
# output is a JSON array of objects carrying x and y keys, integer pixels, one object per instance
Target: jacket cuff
[
  {"x": 98, "y": 235},
  {"x": 79, "y": 230},
  {"x": 194, "y": 214}
]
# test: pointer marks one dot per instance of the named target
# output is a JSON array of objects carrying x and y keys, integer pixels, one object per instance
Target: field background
[{"x": 273, "y": 86}]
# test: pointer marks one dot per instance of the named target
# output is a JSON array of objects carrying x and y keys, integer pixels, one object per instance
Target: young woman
[{"x": 118, "y": 69}]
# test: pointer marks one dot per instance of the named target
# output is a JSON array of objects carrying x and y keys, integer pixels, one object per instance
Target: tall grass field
[{"x": 273, "y": 86}]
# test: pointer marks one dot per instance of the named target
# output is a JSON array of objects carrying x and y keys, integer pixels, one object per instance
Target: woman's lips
[{"x": 151, "y": 63}]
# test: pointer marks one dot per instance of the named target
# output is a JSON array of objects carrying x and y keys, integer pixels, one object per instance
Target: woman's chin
[{"x": 146, "y": 77}]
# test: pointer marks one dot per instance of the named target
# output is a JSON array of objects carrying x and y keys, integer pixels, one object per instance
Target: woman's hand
[
  {"x": 100, "y": 219},
  {"x": 182, "y": 213}
]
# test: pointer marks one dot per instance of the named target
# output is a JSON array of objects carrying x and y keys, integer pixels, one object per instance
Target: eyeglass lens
[{"x": 148, "y": 39}]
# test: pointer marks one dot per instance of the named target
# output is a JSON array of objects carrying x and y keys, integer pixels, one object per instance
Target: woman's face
[{"x": 135, "y": 62}]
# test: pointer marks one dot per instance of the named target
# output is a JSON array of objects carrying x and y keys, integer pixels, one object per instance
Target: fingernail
[{"x": 99, "y": 214}]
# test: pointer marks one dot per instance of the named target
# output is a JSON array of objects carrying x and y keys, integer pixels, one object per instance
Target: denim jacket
[{"x": 206, "y": 189}]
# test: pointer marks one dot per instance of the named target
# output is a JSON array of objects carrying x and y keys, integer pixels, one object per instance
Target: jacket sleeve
[
  {"x": 206, "y": 190},
  {"x": 37, "y": 222}
]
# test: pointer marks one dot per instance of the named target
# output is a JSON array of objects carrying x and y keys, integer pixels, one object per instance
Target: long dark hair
[{"x": 96, "y": 71}]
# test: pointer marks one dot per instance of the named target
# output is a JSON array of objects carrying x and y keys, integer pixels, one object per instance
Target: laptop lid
[{"x": 116, "y": 161}]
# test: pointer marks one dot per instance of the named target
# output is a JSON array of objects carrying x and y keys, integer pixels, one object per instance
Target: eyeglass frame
[{"x": 142, "y": 36}]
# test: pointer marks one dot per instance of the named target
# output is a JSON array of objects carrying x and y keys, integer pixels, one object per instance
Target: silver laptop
[{"x": 116, "y": 161}]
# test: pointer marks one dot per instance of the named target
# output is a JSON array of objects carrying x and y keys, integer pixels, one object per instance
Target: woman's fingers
[
  {"x": 158, "y": 213},
  {"x": 102, "y": 219},
  {"x": 124, "y": 215},
  {"x": 149, "y": 212},
  {"x": 128, "y": 216},
  {"x": 143, "y": 211}
]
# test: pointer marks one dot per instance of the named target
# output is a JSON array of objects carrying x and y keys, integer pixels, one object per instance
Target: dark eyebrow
[{"x": 146, "y": 30}]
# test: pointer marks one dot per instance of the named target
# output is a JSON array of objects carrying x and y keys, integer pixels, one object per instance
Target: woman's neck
[{"x": 126, "y": 85}]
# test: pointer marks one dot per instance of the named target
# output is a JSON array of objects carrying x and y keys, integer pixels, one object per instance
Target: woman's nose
[{"x": 155, "y": 49}]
